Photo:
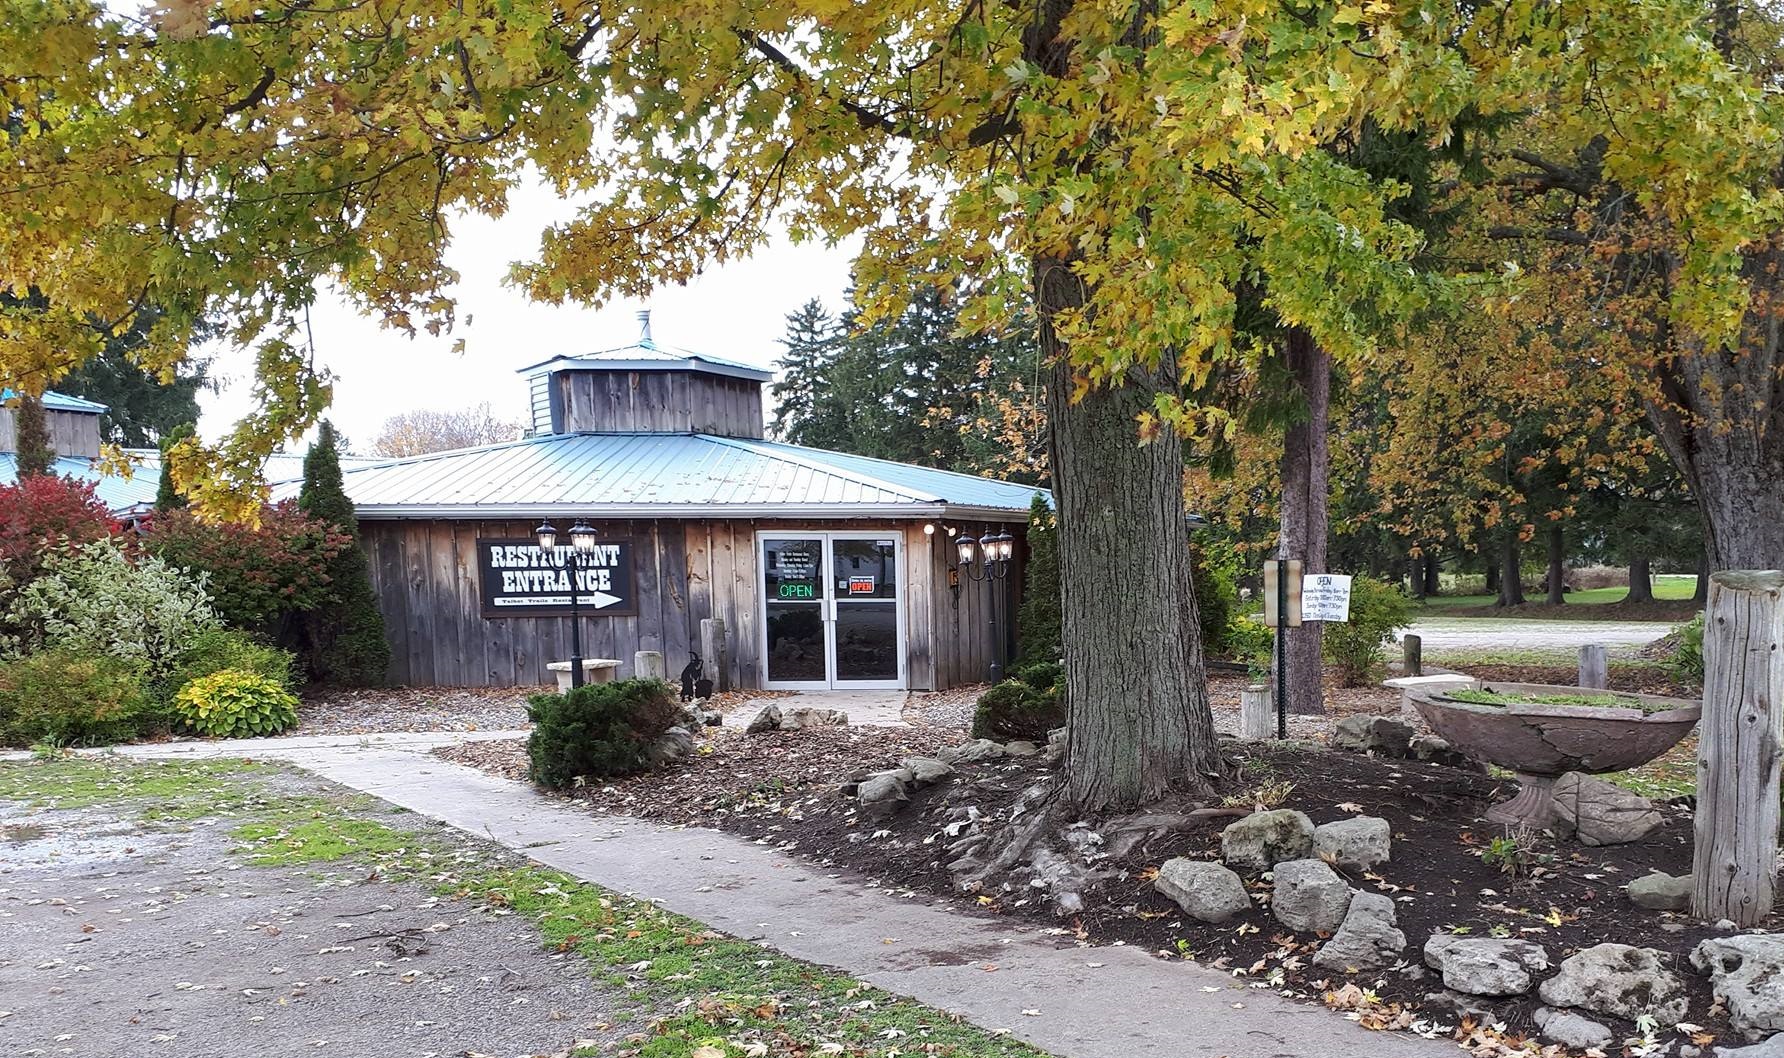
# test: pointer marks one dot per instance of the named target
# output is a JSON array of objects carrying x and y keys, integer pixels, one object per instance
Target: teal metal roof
[
  {"x": 115, "y": 491},
  {"x": 664, "y": 475},
  {"x": 54, "y": 401},
  {"x": 648, "y": 355}
]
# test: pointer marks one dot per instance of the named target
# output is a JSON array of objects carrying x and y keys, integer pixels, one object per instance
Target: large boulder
[
  {"x": 1772, "y": 1048},
  {"x": 1353, "y": 844},
  {"x": 671, "y": 745},
  {"x": 969, "y": 752},
  {"x": 1485, "y": 966},
  {"x": 1310, "y": 896},
  {"x": 1368, "y": 939},
  {"x": 1372, "y": 734},
  {"x": 1660, "y": 891},
  {"x": 1620, "y": 980},
  {"x": 1260, "y": 841},
  {"x": 1572, "y": 1030},
  {"x": 1602, "y": 813},
  {"x": 1205, "y": 890},
  {"x": 881, "y": 794},
  {"x": 806, "y": 716},
  {"x": 1747, "y": 976},
  {"x": 926, "y": 769},
  {"x": 769, "y": 719}
]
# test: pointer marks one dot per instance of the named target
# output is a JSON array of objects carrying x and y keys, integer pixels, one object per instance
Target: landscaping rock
[
  {"x": 1772, "y": 1048},
  {"x": 1436, "y": 750},
  {"x": 1367, "y": 940},
  {"x": 769, "y": 719},
  {"x": 1310, "y": 896},
  {"x": 1378, "y": 734},
  {"x": 1570, "y": 1029},
  {"x": 671, "y": 745},
  {"x": 1259, "y": 841},
  {"x": 1602, "y": 813},
  {"x": 881, "y": 794},
  {"x": 712, "y": 718},
  {"x": 969, "y": 752},
  {"x": 1485, "y": 966},
  {"x": 1353, "y": 844},
  {"x": 1747, "y": 976},
  {"x": 1620, "y": 980},
  {"x": 926, "y": 769},
  {"x": 1055, "y": 750},
  {"x": 1205, "y": 890},
  {"x": 1660, "y": 892},
  {"x": 1021, "y": 748},
  {"x": 806, "y": 716}
]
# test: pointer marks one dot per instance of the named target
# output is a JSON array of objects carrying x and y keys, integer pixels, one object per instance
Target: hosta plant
[{"x": 235, "y": 703}]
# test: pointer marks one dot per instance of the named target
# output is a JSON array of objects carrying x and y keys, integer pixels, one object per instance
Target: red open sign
[{"x": 860, "y": 585}]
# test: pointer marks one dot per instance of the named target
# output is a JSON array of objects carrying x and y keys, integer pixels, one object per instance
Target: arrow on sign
[{"x": 600, "y": 599}]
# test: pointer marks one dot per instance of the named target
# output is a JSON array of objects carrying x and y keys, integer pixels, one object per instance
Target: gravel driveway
[{"x": 1508, "y": 634}]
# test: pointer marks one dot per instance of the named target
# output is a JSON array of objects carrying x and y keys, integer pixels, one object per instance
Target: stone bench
[{"x": 594, "y": 670}]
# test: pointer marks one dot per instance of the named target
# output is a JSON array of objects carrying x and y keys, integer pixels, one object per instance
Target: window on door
[{"x": 831, "y": 610}]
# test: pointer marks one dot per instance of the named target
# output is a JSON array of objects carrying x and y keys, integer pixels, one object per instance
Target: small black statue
[{"x": 690, "y": 673}]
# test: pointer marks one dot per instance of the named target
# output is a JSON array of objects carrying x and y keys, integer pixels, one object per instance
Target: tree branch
[
  {"x": 867, "y": 117},
  {"x": 1560, "y": 235}
]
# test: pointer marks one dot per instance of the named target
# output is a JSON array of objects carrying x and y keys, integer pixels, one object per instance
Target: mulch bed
[{"x": 782, "y": 788}]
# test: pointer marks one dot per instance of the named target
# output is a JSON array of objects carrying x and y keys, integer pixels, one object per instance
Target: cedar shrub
[
  {"x": 343, "y": 643},
  {"x": 598, "y": 730}
]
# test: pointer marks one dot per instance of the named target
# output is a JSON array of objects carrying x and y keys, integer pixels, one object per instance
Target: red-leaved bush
[
  {"x": 256, "y": 574},
  {"x": 44, "y": 512}
]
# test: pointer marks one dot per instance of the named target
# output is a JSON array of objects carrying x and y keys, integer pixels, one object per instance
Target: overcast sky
[{"x": 736, "y": 311}]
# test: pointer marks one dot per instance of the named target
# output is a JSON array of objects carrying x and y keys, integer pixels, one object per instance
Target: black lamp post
[
  {"x": 988, "y": 559},
  {"x": 575, "y": 560}
]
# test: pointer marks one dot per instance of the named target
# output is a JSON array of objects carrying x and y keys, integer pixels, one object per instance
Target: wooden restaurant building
[{"x": 828, "y": 570}]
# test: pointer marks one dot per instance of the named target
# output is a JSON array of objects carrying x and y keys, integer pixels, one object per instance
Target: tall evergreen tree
[
  {"x": 1038, "y": 635},
  {"x": 167, "y": 497},
  {"x": 805, "y": 411},
  {"x": 35, "y": 455},
  {"x": 344, "y": 643}
]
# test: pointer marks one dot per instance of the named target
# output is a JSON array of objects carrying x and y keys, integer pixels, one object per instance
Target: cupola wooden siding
[{"x": 622, "y": 401}]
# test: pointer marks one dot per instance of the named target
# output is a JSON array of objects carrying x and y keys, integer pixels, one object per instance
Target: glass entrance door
[{"x": 831, "y": 614}]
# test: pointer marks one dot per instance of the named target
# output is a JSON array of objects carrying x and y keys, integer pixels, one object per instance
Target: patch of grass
[
  {"x": 320, "y": 834},
  {"x": 1595, "y": 701},
  {"x": 1672, "y": 774},
  {"x": 1667, "y": 588},
  {"x": 1462, "y": 658},
  {"x": 155, "y": 789}
]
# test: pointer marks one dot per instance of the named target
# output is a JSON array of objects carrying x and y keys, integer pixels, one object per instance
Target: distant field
[{"x": 1673, "y": 587}]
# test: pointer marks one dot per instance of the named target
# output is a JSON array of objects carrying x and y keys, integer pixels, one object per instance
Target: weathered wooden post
[
  {"x": 1735, "y": 844},
  {"x": 648, "y": 665},
  {"x": 1255, "y": 722},
  {"x": 715, "y": 652},
  {"x": 1595, "y": 666},
  {"x": 1413, "y": 653}
]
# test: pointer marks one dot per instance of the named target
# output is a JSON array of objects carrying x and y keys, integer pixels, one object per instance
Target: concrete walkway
[
  {"x": 1108, "y": 1002},
  {"x": 871, "y": 708}
]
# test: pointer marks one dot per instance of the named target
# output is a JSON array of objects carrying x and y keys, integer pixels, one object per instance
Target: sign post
[{"x": 1282, "y": 608}]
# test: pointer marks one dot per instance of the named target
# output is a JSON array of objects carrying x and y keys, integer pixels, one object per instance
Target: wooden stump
[
  {"x": 648, "y": 665},
  {"x": 1595, "y": 667},
  {"x": 1735, "y": 845},
  {"x": 1413, "y": 653},
  {"x": 1257, "y": 720}
]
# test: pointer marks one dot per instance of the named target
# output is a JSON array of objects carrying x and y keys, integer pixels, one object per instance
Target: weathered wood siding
[
  {"x": 425, "y": 574},
  {"x": 657, "y": 402},
  {"x": 72, "y": 433}
]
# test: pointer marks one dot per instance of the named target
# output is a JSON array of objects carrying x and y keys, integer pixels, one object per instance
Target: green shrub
[
  {"x": 215, "y": 649},
  {"x": 598, "y": 730},
  {"x": 1686, "y": 663},
  {"x": 1038, "y": 620},
  {"x": 98, "y": 599},
  {"x": 1250, "y": 640},
  {"x": 68, "y": 697},
  {"x": 235, "y": 703},
  {"x": 1214, "y": 572},
  {"x": 1354, "y": 648},
  {"x": 344, "y": 640},
  {"x": 1016, "y": 709},
  {"x": 1044, "y": 676}
]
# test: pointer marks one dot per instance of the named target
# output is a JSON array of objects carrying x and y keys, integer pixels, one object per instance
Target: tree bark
[
  {"x": 1557, "y": 566},
  {"x": 1641, "y": 580},
  {"x": 1416, "y": 577},
  {"x": 1702, "y": 594},
  {"x": 1511, "y": 561},
  {"x": 1433, "y": 575},
  {"x": 1306, "y": 466},
  {"x": 1139, "y": 722},
  {"x": 1492, "y": 575}
]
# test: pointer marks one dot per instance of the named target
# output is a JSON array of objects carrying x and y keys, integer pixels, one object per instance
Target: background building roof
[
  {"x": 664, "y": 475},
  {"x": 647, "y": 355},
  {"x": 53, "y": 401},
  {"x": 114, "y": 490}
]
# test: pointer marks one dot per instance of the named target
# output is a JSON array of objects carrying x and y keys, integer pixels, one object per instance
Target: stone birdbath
[{"x": 1527, "y": 732}]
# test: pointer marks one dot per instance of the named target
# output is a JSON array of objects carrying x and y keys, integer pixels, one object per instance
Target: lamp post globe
[{"x": 547, "y": 537}]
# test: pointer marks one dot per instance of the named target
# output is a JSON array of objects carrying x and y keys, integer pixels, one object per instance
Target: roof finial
[{"x": 643, "y": 326}]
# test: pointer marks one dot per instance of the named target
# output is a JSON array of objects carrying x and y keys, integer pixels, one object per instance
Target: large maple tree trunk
[
  {"x": 1305, "y": 473},
  {"x": 1719, "y": 413},
  {"x": 1511, "y": 568},
  {"x": 1433, "y": 573},
  {"x": 1557, "y": 566},
  {"x": 1138, "y": 719},
  {"x": 1641, "y": 579}
]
